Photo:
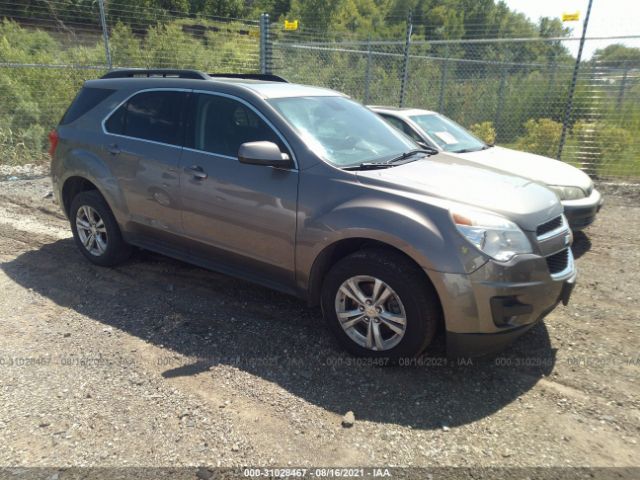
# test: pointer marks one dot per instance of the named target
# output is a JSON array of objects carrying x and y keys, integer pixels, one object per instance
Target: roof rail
[
  {"x": 251, "y": 76},
  {"x": 158, "y": 72}
]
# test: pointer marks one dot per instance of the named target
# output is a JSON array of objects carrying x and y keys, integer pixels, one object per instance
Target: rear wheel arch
[{"x": 72, "y": 187}]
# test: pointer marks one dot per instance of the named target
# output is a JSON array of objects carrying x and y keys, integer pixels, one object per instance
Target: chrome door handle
[
  {"x": 114, "y": 149},
  {"x": 197, "y": 171}
]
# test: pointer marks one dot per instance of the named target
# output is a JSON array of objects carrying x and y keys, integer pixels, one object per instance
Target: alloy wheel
[
  {"x": 91, "y": 230},
  {"x": 370, "y": 312}
]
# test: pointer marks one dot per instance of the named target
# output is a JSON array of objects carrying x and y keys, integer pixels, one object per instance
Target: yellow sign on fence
[
  {"x": 571, "y": 17},
  {"x": 293, "y": 25}
]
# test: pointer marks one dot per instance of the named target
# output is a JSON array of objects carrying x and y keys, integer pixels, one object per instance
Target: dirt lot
[{"x": 160, "y": 363}]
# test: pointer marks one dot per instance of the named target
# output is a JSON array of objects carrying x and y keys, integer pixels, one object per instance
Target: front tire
[
  {"x": 379, "y": 304},
  {"x": 95, "y": 230}
]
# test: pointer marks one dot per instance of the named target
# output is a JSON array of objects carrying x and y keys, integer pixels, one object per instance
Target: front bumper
[
  {"x": 486, "y": 310},
  {"x": 582, "y": 212}
]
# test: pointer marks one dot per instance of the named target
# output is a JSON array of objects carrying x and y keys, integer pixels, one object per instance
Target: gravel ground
[{"x": 159, "y": 363}]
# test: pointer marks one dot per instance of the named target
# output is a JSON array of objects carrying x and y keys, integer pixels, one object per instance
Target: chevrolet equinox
[{"x": 306, "y": 191}]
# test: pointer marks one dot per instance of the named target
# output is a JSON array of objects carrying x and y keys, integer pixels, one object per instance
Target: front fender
[{"x": 425, "y": 236}]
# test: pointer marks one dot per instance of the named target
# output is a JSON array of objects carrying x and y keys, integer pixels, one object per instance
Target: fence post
[
  {"x": 266, "y": 59},
  {"x": 623, "y": 85},
  {"x": 500, "y": 102},
  {"x": 443, "y": 78},
  {"x": 405, "y": 63},
  {"x": 572, "y": 87},
  {"x": 105, "y": 34},
  {"x": 367, "y": 73},
  {"x": 552, "y": 68}
]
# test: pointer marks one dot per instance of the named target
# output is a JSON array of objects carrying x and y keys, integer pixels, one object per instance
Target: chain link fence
[
  {"x": 513, "y": 92},
  {"x": 485, "y": 85}
]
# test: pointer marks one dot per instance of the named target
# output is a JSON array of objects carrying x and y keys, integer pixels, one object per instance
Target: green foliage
[
  {"x": 34, "y": 98},
  {"x": 542, "y": 137},
  {"x": 484, "y": 131},
  {"x": 617, "y": 55},
  {"x": 602, "y": 144},
  {"x": 25, "y": 147}
]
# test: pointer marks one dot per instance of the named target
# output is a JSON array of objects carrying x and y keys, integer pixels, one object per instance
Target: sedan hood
[
  {"x": 453, "y": 178},
  {"x": 535, "y": 167}
]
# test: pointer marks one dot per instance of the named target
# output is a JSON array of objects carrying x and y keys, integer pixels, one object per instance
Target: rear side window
[
  {"x": 154, "y": 116},
  {"x": 86, "y": 99},
  {"x": 115, "y": 123}
]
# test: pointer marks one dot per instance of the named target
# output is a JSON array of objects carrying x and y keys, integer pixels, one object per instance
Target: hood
[
  {"x": 455, "y": 179},
  {"x": 528, "y": 165}
]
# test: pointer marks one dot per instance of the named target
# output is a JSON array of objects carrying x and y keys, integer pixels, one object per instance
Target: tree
[{"x": 617, "y": 55}]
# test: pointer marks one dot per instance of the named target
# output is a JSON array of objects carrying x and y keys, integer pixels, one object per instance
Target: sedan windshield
[
  {"x": 341, "y": 131},
  {"x": 447, "y": 134}
]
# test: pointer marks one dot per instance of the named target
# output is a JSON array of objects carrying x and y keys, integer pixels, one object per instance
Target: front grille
[
  {"x": 549, "y": 226},
  {"x": 558, "y": 261}
]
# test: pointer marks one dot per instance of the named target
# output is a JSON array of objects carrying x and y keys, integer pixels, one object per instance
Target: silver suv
[{"x": 306, "y": 191}]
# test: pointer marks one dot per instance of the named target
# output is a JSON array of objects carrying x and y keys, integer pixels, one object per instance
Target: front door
[{"x": 242, "y": 217}]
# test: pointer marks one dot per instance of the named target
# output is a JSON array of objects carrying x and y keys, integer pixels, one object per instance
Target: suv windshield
[
  {"x": 447, "y": 134},
  {"x": 341, "y": 131}
]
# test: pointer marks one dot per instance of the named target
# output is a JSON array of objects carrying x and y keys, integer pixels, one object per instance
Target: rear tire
[
  {"x": 95, "y": 230},
  {"x": 380, "y": 304}
]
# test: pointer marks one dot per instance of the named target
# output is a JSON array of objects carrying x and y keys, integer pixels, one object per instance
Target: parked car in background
[
  {"x": 574, "y": 188},
  {"x": 306, "y": 191}
]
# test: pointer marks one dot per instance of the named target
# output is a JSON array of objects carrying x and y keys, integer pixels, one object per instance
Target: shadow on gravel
[
  {"x": 581, "y": 244},
  {"x": 219, "y": 321}
]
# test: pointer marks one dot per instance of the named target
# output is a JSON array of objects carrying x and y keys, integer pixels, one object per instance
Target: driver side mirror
[{"x": 267, "y": 154}]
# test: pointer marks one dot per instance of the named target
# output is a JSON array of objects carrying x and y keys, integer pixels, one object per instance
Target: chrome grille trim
[
  {"x": 555, "y": 230},
  {"x": 564, "y": 260}
]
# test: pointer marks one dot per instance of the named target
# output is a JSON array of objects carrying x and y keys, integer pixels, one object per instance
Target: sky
[{"x": 608, "y": 18}]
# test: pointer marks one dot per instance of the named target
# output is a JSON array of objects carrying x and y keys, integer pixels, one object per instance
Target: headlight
[
  {"x": 567, "y": 193},
  {"x": 494, "y": 235}
]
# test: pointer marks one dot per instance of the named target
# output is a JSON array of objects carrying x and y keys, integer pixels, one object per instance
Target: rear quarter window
[{"x": 86, "y": 100}]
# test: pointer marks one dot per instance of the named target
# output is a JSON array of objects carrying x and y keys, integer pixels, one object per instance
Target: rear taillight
[{"x": 53, "y": 142}]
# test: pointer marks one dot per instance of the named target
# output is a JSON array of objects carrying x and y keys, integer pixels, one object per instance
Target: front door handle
[
  {"x": 114, "y": 149},
  {"x": 197, "y": 171}
]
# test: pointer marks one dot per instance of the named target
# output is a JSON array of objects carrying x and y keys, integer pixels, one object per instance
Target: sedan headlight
[
  {"x": 567, "y": 193},
  {"x": 494, "y": 235}
]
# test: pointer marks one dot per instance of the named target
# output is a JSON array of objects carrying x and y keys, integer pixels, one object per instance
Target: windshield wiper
[
  {"x": 469, "y": 150},
  {"x": 400, "y": 159},
  {"x": 368, "y": 166},
  {"x": 411, "y": 153}
]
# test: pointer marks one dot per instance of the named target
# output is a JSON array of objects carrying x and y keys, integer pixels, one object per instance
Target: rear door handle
[
  {"x": 114, "y": 149},
  {"x": 197, "y": 171}
]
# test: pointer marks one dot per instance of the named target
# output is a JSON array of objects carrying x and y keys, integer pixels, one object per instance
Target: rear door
[
  {"x": 242, "y": 217},
  {"x": 144, "y": 143}
]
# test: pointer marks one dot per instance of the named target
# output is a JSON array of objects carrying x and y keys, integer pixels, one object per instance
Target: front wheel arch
[{"x": 340, "y": 249}]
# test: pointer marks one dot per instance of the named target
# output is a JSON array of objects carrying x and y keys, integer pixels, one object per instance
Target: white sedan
[{"x": 430, "y": 129}]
